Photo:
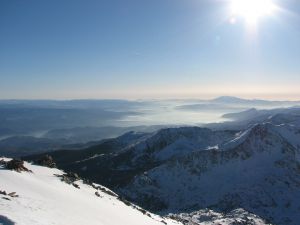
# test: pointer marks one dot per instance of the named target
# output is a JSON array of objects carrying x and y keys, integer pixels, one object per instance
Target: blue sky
[{"x": 146, "y": 49}]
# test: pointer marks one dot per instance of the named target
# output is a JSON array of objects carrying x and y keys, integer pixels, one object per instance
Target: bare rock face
[
  {"x": 47, "y": 161},
  {"x": 2, "y": 162},
  {"x": 17, "y": 165},
  {"x": 69, "y": 178},
  {"x": 97, "y": 194}
]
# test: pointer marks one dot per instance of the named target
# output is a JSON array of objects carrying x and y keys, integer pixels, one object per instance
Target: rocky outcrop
[
  {"x": 47, "y": 161},
  {"x": 16, "y": 165},
  {"x": 69, "y": 178}
]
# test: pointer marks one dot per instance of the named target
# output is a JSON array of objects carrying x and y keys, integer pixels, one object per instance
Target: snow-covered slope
[{"x": 43, "y": 199}]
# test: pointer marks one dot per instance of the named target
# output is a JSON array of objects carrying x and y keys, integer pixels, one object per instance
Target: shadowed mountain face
[
  {"x": 5, "y": 221},
  {"x": 187, "y": 169}
]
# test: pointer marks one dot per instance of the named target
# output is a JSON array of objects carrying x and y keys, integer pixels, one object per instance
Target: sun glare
[{"x": 252, "y": 10}]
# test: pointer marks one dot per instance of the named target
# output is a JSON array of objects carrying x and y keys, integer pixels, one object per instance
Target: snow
[
  {"x": 258, "y": 171},
  {"x": 216, "y": 147},
  {"x": 44, "y": 200},
  {"x": 171, "y": 143}
]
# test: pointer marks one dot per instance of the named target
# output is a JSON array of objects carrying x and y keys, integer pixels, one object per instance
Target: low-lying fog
[{"x": 35, "y": 118}]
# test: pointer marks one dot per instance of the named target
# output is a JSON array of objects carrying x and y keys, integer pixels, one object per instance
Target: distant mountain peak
[
  {"x": 231, "y": 100},
  {"x": 227, "y": 97}
]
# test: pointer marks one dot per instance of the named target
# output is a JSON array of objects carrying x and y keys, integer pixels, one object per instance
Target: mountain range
[{"x": 249, "y": 172}]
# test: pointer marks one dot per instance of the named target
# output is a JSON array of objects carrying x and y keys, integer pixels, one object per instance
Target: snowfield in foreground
[{"x": 43, "y": 199}]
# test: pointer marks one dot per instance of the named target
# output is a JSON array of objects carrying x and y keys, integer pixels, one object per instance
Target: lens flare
[{"x": 252, "y": 10}]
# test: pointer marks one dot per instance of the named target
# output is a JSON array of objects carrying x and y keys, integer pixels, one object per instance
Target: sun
[{"x": 252, "y": 10}]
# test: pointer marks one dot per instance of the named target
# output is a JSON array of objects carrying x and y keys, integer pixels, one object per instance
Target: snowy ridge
[
  {"x": 176, "y": 142},
  {"x": 43, "y": 200},
  {"x": 259, "y": 173}
]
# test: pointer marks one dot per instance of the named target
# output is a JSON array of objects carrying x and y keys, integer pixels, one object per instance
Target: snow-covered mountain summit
[{"x": 40, "y": 197}]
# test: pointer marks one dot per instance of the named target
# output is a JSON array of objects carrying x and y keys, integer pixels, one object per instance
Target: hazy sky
[{"x": 146, "y": 49}]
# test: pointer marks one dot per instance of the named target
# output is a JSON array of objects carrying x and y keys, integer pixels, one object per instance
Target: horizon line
[{"x": 148, "y": 99}]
